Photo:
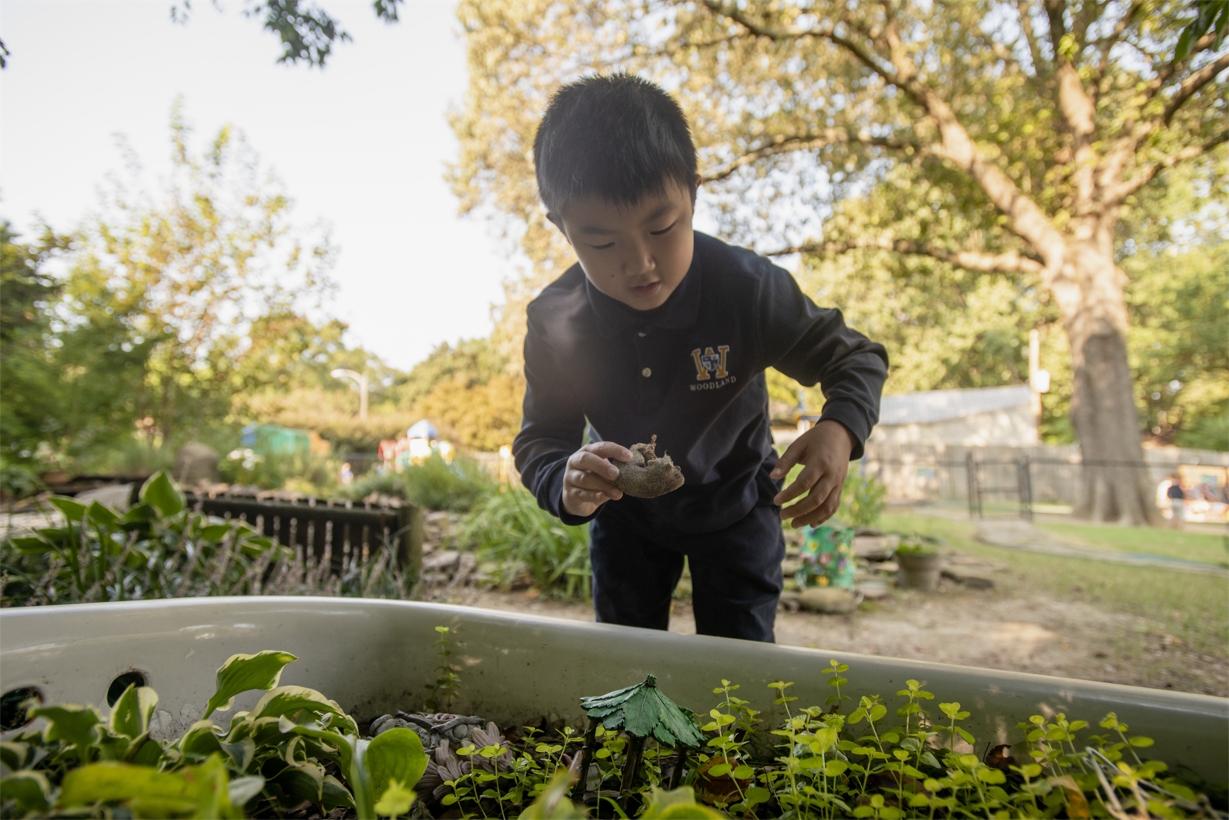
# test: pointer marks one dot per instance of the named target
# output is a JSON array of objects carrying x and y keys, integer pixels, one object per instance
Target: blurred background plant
[
  {"x": 434, "y": 485},
  {"x": 303, "y": 473},
  {"x": 161, "y": 548},
  {"x": 509, "y": 529},
  {"x": 862, "y": 501}
]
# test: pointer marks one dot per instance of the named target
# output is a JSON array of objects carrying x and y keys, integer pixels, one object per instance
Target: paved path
[{"x": 1023, "y": 536}]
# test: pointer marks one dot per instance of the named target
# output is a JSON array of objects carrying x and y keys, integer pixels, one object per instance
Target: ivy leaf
[
  {"x": 29, "y": 790},
  {"x": 196, "y": 791},
  {"x": 335, "y": 794},
  {"x": 300, "y": 782},
  {"x": 290, "y": 700},
  {"x": 73, "y": 511},
  {"x": 74, "y": 724},
  {"x": 243, "y": 789},
  {"x": 395, "y": 756},
  {"x": 242, "y": 673},
  {"x": 397, "y": 798},
  {"x": 161, "y": 494},
  {"x": 131, "y": 713},
  {"x": 200, "y": 740}
]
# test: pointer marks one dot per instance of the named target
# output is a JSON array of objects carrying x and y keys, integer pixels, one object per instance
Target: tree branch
[
  {"x": 1034, "y": 47},
  {"x": 827, "y": 32},
  {"x": 1009, "y": 262},
  {"x": 1025, "y": 217},
  {"x": 782, "y": 144},
  {"x": 1123, "y": 190},
  {"x": 1191, "y": 85}
]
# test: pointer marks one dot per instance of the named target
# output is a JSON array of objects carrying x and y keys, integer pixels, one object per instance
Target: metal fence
[
  {"x": 1017, "y": 481},
  {"x": 345, "y": 528}
]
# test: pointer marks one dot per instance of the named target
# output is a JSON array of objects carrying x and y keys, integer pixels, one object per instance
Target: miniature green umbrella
[{"x": 643, "y": 711}]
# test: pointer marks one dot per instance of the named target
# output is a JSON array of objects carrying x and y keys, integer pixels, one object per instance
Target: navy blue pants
[{"x": 735, "y": 574}]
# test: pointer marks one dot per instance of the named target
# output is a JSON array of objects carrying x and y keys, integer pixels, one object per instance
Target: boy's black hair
[{"x": 618, "y": 138}]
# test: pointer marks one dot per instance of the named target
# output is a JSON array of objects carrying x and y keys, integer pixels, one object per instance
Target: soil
[{"x": 958, "y": 624}]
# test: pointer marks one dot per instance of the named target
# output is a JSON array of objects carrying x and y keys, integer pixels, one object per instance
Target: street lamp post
[{"x": 361, "y": 380}]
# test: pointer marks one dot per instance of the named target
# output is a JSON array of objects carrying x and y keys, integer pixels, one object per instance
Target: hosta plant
[{"x": 294, "y": 748}]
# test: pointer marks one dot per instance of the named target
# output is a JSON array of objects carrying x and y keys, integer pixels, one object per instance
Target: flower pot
[
  {"x": 918, "y": 570},
  {"x": 375, "y": 656}
]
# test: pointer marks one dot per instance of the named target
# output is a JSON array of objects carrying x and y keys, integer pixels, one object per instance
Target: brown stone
[{"x": 647, "y": 475}]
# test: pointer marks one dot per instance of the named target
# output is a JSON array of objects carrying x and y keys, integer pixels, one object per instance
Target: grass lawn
[
  {"x": 1189, "y": 546},
  {"x": 1190, "y": 606}
]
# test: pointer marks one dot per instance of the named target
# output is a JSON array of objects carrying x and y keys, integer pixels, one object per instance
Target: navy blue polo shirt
[{"x": 690, "y": 372}]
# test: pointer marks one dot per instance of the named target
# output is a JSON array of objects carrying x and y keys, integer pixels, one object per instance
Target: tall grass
[{"x": 510, "y": 528}]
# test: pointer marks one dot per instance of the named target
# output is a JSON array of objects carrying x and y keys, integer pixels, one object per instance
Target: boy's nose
[{"x": 640, "y": 261}]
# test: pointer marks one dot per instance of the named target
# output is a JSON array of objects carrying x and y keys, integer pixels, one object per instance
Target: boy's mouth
[{"x": 647, "y": 290}]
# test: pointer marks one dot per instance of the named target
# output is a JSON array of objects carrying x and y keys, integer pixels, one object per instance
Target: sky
[{"x": 361, "y": 145}]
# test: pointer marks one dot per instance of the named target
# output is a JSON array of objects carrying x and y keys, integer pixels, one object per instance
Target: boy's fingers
[
  {"x": 608, "y": 449},
  {"x": 804, "y": 483},
  {"x": 588, "y": 461},
  {"x": 787, "y": 460},
  {"x": 820, "y": 503},
  {"x": 591, "y": 482},
  {"x": 590, "y": 496}
]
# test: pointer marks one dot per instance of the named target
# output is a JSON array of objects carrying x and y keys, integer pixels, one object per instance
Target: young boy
[{"x": 663, "y": 331}]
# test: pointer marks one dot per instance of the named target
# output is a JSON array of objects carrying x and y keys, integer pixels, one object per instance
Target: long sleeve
[
  {"x": 552, "y": 427},
  {"x": 813, "y": 345}
]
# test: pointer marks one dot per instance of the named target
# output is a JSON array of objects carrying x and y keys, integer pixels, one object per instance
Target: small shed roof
[{"x": 944, "y": 405}]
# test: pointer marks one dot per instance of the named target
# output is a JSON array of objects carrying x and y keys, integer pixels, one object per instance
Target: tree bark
[{"x": 1115, "y": 485}]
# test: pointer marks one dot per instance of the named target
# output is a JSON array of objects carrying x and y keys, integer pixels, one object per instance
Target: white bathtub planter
[{"x": 373, "y": 657}]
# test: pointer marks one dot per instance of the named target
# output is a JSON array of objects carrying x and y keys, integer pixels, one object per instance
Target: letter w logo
[{"x": 710, "y": 364}]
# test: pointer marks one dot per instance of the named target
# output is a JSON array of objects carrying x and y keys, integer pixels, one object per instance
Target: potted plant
[{"x": 919, "y": 565}]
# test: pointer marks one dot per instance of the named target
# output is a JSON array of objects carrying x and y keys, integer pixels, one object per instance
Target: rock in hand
[{"x": 647, "y": 475}]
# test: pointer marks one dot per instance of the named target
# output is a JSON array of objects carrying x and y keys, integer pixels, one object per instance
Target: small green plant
[
  {"x": 510, "y": 528},
  {"x": 915, "y": 546},
  {"x": 862, "y": 500},
  {"x": 294, "y": 747},
  {"x": 447, "y": 683}
]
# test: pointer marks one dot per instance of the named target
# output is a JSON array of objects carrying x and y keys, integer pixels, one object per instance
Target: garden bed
[{"x": 374, "y": 657}]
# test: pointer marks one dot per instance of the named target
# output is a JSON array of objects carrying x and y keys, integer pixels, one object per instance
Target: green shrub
[
  {"x": 434, "y": 485},
  {"x": 510, "y": 527},
  {"x": 303, "y": 472},
  {"x": 163, "y": 549},
  {"x": 862, "y": 500}
]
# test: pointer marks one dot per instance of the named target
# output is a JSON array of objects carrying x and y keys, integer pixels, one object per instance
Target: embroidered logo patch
[{"x": 711, "y": 371}]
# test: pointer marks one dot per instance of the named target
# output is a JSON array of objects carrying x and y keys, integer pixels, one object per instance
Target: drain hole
[
  {"x": 121, "y": 683},
  {"x": 13, "y": 706}
]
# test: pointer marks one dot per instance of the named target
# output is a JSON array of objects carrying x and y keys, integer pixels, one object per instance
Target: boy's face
[{"x": 638, "y": 254}]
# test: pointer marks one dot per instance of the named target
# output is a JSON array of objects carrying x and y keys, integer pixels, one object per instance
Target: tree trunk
[{"x": 1115, "y": 485}]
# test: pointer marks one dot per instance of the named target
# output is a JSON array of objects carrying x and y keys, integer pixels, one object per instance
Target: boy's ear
[{"x": 554, "y": 219}]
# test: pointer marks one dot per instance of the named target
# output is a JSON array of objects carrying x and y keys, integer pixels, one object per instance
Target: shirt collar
[{"x": 679, "y": 312}]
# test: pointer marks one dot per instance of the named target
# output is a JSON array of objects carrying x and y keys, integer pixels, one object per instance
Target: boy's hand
[
  {"x": 587, "y": 481},
  {"x": 823, "y": 451}
]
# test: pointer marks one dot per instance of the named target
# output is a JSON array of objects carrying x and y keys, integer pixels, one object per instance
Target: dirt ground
[{"x": 991, "y": 628}]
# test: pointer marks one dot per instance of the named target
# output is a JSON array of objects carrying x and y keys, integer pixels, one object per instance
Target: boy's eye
[
  {"x": 602, "y": 247},
  {"x": 664, "y": 230}
]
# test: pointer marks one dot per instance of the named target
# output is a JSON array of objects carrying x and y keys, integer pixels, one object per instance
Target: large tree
[{"x": 1028, "y": 128}]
